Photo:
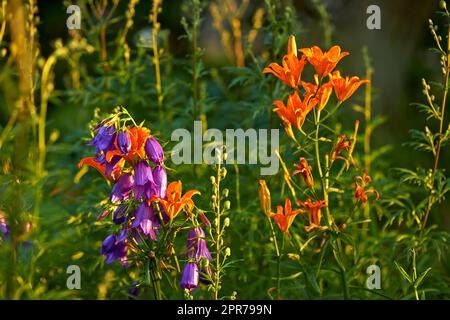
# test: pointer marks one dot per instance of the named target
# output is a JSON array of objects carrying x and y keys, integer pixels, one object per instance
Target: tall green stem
[
  {"x": 441, "y": 127},
  {"x": 280, "y": 253},
  {"x": 319, "y": 166},
  {"x": 218, "y": 233}
]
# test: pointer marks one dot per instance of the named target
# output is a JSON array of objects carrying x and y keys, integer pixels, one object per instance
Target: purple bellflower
[
  {"x": 190, "y": 276},
  {"x": 196, "y": 245},
  {"x": 122, "y": 188},
  {"x": 124, "y": 142},
  {"x": 154, "y": 151},
  {"x": 143, "y": 181},
  {"x": 160, "y": 179}
]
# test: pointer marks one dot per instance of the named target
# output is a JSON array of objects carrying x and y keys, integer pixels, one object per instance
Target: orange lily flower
[
  {"x": 264, "y": 198},
  {"x": 296, "y": 110},
  {"x": 284, "y": 221},
  {"x": 174, "y": 202},
  {"x": 344, "y": 88},
  {"x": 321, "y": 96},
  {"x": 322, "y": 62},
  {"x": 291, "y": 70},
  {"x": 314, "y": 213},
  {"x": 91, "y": 162},
  {"x": 360, "y": 188},
  {"x": 305, "y": 170},
  {"x": 342, "y": 144}
]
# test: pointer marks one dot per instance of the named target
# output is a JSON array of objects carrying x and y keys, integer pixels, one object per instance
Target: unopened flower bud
[
  {"x": 213, "y": 180},
  {"x": 223, "y": 172},
  {"x": 204, "y": 219},
  {"x": 225, "y": 192},
  {"x": 443, "y": 4},
  {"x": 227, "y": 205},
  {"x": 226, "y": 222},
  {"x": 225, "y": 156},
  {"x": 227, "y": 252}
]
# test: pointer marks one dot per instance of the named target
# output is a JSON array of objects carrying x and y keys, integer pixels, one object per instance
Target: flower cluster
[
  {"x": 311, "y": 97},
  {"x": 125, "y": 156},
  {"x": 316, "y": 94},
  {"x": 198, "y": 253},
  {"x": 142, "y": 202}
]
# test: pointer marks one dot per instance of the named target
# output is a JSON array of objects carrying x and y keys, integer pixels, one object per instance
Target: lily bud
[
  {"x": 264, "y": 198},
  {"x": 292, "y": 46}
]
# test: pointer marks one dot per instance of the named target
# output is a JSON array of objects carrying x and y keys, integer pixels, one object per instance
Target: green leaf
[
  {"x": 403, "y": 272},
  {"x": 420, "y": 278}
]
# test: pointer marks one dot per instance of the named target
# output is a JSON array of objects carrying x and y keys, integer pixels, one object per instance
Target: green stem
[
  {"x": 155, "y": 283},
  {"x": 218, "y": 234},
  {"x": 344, "y": 283},
  {"x": 280, "y": 253},
  {"x": 441, "y": 127},
  {"x": 319, "y": 166}
]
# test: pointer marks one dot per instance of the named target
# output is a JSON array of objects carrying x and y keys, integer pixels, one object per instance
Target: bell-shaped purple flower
[
  {"x": 134, "y": 291},
  {"x": 147, "y": 220},
  {"x": 196, "y": 244},
  {"x": 190, "y": 276},
  {"x": 154, "y": 151},
  {"x": 124, "y": 141},
  {"x": 104, "y": 139},
  {"x": 160, "y": 179},
  {"x": 4, "y": 228},
  {"x": 114, "y": 249},
  {"x": 143, "y": 181},
  {"x": 122, "y": 188},
  {"x": 119, "y": 215}
]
